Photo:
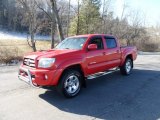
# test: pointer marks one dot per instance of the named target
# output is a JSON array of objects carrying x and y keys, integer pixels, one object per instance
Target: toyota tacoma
[{"x": 73, "y": 60}]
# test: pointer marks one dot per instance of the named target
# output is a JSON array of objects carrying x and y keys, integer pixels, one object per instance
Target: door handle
[
  {"x": 92, "y": 63},
  {"x": 117, "y": 51},
  {"x": 104, "y": 53}
]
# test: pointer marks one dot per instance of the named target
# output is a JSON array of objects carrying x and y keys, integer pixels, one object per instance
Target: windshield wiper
[{"x": 66, "y": 48}]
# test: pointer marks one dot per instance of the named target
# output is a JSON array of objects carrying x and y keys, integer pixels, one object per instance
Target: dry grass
[
  {"x": 151, "y": 45},
  {"x": 15, "y": 49}
]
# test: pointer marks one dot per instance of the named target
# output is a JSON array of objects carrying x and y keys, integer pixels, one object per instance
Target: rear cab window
[{"x": 110, "y": 42}]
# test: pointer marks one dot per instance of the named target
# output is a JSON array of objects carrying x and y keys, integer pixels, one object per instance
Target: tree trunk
[
  {"x": 59, "y": 25},
  {"x": 52, "y": 34},
  {"x": 33, "y": 42},
  {"x": 77, "y": 33},
  {"x": 68, "y": 21},
  {"x": 31, "y": 31},
  {"x": 103, "y": 20}
]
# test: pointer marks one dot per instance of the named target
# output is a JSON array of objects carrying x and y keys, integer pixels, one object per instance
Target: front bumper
[
  {"x": 26, "y": 76},
  {"x": 39, "y": 77}
]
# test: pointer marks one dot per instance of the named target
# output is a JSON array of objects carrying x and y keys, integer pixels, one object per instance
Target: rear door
[
  {"x": 95, "y": 59},
  {"x": 113, "y": 54}
]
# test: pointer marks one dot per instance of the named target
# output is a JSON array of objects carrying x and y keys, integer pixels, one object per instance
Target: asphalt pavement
[{"x": 110, "y": 97}]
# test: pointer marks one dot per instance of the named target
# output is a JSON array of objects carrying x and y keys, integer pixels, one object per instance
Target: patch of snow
[
  {"x": 5, "y": 35},
  {"x": 148, "y": 53}
]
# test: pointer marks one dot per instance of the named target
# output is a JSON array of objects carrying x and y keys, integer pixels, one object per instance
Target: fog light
[
  {"x": 46, "y": 77},
  {"x": 33, "y": 77}
]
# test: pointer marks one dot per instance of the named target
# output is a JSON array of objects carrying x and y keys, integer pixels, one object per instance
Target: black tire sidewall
[
  {"x": 128, "y": 60},
  {"x": 66, "y": 76}
]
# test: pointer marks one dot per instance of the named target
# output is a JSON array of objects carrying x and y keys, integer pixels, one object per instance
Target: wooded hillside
[{"x": 63, "y": 18}]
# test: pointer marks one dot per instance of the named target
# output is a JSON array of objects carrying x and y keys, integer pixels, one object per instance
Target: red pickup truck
[{"x": 74, "y": 60}]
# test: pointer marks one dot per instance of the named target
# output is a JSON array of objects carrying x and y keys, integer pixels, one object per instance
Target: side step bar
[{"x": 96, "y": 75}]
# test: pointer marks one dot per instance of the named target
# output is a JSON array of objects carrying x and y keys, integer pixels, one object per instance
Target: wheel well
[
  {"x": 130, "y": 56},
  {"x": 76, "y": 67}
]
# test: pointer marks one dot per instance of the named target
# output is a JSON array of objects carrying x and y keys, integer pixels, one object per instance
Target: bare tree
[
  {"x": 40, "y": 5},
  {"x": 30, "y": 17},
  {"x": 57, "y": 19},
  {"x": 136, "y": 28},
  {"x": 65, "y": 13},
  {"x": 53, "y": 15},
  {"x": 105, "y": 11},
  {"x": 78, "y": 17},
  {"x": 68, "y": 18}
]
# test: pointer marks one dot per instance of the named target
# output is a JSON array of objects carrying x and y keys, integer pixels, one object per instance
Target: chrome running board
[{"x": 99, "y": 74}]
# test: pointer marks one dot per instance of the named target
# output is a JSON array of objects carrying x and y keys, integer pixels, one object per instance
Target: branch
[{"x": 43, "y": 11}]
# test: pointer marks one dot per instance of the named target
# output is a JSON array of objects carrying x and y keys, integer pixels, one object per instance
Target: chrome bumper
[{"x": 28, "y": 78}]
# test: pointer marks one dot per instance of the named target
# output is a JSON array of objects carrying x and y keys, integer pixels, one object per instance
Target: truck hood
[{"x": 47, "y": 53}]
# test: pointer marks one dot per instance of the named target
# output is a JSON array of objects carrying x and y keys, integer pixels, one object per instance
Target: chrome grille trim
[{"x": 29, "y": 62}]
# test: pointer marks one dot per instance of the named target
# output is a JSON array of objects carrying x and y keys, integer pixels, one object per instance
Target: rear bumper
[{"x": 39, "y": 77}]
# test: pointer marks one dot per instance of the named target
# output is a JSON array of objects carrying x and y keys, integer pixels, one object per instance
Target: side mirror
[{"x": 92, "y": 47}]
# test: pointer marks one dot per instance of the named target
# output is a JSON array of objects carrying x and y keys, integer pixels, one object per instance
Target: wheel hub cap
[
  {"x": 71, "y": 84},
  {"x": 128, "y": 66}
]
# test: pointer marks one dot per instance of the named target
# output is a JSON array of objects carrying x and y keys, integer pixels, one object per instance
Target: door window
[{"x": 98, "y": 41}]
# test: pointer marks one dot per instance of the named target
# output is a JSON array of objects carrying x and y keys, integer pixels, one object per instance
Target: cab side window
[
  {"x": 98, "y": 41},
  {"x": 110, "y": 42}
]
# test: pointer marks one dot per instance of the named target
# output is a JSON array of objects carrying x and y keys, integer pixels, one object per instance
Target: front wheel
[
  {"x": 127, "y": 67},
  {"x": 70, "y": 83}
]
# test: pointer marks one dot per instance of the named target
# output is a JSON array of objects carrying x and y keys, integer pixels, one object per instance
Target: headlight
[{"x": 46, "y": 62}]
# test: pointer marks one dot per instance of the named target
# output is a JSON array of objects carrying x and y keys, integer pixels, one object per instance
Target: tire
[
  {"x": 127, "y": 67},
  {"x": 70, "y": 83}
]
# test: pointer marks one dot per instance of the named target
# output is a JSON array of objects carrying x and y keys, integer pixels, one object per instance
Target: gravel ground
[{"x": 110, "y": 97}]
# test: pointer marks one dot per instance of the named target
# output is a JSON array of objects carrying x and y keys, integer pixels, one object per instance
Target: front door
[{"x": 95, "y": 60}]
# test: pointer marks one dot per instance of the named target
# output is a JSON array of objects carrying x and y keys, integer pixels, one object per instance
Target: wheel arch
[
  {"x": 77, "y": 67},
  {"x": 125, "y": 57},
  {"x": 130, "y": 56}
]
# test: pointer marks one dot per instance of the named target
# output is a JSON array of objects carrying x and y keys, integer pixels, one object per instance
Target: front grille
[{"x": 29, "y": 62}]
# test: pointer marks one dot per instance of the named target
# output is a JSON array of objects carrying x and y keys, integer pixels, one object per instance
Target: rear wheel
[
  {"x": 127, "y": 67},
  {"x": 70, "y": 83}
]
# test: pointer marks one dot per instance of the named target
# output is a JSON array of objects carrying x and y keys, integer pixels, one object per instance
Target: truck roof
[{"x": 90, "y": 35}]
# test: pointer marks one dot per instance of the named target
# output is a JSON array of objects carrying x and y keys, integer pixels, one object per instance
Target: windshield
[{"x": 72, "y": 43}]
